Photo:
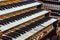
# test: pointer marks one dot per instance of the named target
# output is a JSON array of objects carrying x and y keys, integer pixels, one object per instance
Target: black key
[
  {"x": 6, "y": 38},
  {"x": 11, "y": 35},
  {"x": 20, "y": 31}
]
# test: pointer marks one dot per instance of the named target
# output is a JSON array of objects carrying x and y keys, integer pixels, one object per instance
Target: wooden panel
[
  {"x": 40, "y": 34},
  {"x": 8, "y": 2},
  {"x": 58, "y": 31},
  {"x": 0, "y": 34}
]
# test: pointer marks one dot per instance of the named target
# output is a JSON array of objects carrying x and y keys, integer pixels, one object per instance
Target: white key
[
  {"x": 6, "y": 11},
  {"x": 38, "y": 28}
]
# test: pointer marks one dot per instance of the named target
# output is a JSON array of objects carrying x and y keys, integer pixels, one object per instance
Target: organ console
[{"x": 24, "y": 21}]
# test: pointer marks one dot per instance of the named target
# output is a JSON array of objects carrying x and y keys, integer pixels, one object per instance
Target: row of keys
[
  {"x": 18, "y": 17},
  {"x": 55, "y": 12},
  {"x": 52, "y": 6},
  {"x": 16, "y": 7},
  {"x": 52, "y": 2},
  {"x": 8, "y": 6},
  {"x": 31, "y": 15}
]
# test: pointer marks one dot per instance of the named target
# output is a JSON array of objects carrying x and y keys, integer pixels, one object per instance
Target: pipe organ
[{"x": 24, "y": 21}]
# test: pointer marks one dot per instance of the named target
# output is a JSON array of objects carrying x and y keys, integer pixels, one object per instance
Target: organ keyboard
[
  {"x": 19, "y": 19},
  {"x": 24, "y": 21},
  {"x": 28, "y": 30},
  {"x": 17, "y": 6},
  {"x": 16, "y": 13}
]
